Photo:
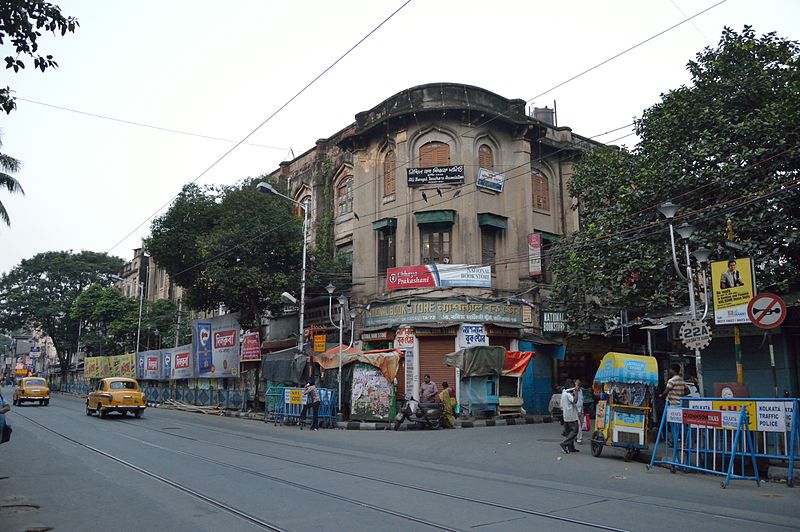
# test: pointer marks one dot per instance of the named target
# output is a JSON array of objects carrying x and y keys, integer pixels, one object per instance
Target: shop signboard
[
  {"x": 441, "y": 311},
  {"x": 251, "y": 347},
  {"x": 553, "y": 321},
  {"x": 534, "y": 254},
  {"x": 471, "y": 334},
  {"x": 404, "y": 338},
  {"x": 438, "y": 275},
  {"x": 732, "y": 283},
  {"x": 490, "y": 180},
  {"x": 320, "y": 343},
  {"x": 435, "y": 175}
]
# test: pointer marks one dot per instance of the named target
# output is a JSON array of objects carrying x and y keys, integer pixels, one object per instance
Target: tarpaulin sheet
[
  {"x": 285, "y": 367},
  {"x": 387, "y": 360},
  {"x": 516, "y": 362},
  {"x": 627, "y": 368},
  {"x": 477, "y": 361}
]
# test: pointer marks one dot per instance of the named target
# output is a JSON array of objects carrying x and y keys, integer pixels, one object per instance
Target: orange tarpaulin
[
  {"x": 387, "y": 360},
  {"x": 516, "y": 362}
]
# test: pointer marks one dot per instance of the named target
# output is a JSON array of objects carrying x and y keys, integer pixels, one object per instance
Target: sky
[{"x": 221, "y": 69}]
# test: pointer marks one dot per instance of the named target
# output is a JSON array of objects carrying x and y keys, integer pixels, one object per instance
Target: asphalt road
[{"x": 178, "y": 471}]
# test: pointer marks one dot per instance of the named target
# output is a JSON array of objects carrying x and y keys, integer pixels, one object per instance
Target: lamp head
[
  {"x": 685, "y": 230},
  {"x": 669, "y": 210},
  {"x": 342, "y": 300},
  {"x": 330, "y": 288},
  {"x": 266, "y": 188},
  {"x": 702, "y": 254},
  {"x": 353, "y": 315},
  {"x": 288, "y": 298}
]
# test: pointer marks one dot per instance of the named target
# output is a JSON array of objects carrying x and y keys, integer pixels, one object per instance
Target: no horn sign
[{"x": 766, "y": 310}]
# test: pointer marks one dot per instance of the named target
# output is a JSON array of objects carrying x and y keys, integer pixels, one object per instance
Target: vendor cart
[{"x": 626, "y": 384}]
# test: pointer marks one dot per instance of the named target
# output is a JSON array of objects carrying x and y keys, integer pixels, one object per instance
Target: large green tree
[
  {"x": 725, "y": 147},
  {"x": 40, "y": 291},
  {"x": 8, "y": 165},
  {"x": 21, "y": 25},
  {"x": 229, "y": 245}
]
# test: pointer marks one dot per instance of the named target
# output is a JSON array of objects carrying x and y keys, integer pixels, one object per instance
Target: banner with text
[
  {"x": 435, "y": 175},
  {"x": 438, "y": 275},
  {"x": 216, "y": 346},
  {"x": 251, "y": 347},
  {"x": 732, "y": 286}
]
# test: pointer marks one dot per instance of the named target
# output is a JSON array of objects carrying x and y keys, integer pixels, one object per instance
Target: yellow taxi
[
  {"x": 116, "y": 394},
  {"x": 33, "y": 389}
]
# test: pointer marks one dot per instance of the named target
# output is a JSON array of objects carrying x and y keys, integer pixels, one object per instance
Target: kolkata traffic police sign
[
  {"x": 695, "y": 334},
  {"x": 766, "y": 310}
]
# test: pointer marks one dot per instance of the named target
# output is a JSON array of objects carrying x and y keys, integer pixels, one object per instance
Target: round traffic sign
[
  {"x": 766, "y": 310},
  {"x": 695, "y": 334}
]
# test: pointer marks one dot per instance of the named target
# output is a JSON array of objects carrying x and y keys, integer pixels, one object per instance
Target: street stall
[{"x": 626, "y": 385}]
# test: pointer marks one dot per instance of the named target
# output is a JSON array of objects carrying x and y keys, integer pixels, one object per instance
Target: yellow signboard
[
  {"x": 732, "y": 286},
  {"x": 319, "y": 343},
  {"x": 118, "y": 366},
  {"x": 735, "y": 405},
  {"x": 296, "y": 397}
]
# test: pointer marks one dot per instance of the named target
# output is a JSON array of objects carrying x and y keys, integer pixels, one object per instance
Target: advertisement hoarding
[
  {"x": 251, "y": 347},
  {"x": 438, "y": 275},
  {"x": 732, "y": 285}
]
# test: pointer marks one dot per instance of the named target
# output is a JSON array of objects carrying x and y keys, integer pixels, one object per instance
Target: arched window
[
  {"x": 541, "y": 192},
  {"x": 389, "y": 168},
  {"x": 305, "y": 199},
  {"x": 434, "y": 154},
  {"x": 344, "y": 195},
  {"x": 485, "y": 157}
]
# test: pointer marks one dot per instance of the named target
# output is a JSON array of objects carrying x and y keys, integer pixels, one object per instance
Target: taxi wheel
[
  {"x": 89, "y": 411},
  {"x": 101, "y": 411},
  {"x": 137, "y": 414},
  {"x": 47, "y": 402}
]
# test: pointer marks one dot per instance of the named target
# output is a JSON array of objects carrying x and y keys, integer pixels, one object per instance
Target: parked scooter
[{"x": 424, "y": 415}]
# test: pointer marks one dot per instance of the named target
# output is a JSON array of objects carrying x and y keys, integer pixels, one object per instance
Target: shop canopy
[
  {"x": 627, "y": 368},
  {"x": 516, "y": 362},
  {"x": 387, "y": 360},
  {"x": 477, "y": 361},
  {"x": 285, "y": 367}
]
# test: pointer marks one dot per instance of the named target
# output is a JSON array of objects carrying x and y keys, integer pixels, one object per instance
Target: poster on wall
[
  {"x": 182, "y": 363},
  {"x": 371, "y": 397},
  {"x": 251, "y": 347},
  {"x": 732, "y": 286},
  {"x": 150, "y": 361},
  {"x": 201, "y": 339},
  {"x": 216, "y": 344},
  {"x": 166, "y": 364}
]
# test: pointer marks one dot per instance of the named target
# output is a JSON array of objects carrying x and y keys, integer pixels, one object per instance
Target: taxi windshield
[
  {"x": 35, "y": 382},
  {"x": 122, "y": 385}
]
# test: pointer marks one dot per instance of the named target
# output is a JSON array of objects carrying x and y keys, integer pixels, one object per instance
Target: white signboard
[
  {"x": 771, "y": 416},
  {"x": 674, "y": 414},
  {"x": 471, "y": 334},
  {"x": 490, "y": 180},
  {"x": 730, "y": 419},
  {"x": 404, "y": 338},
  {"x": 695, "y": 334}
]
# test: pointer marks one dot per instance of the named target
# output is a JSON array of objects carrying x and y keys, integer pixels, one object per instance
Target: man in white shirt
[
  {"x": 569, "y": 400},
  {"x": 579, "y": 408}
]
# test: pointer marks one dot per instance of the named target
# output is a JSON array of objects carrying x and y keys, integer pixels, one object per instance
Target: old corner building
[{"x": 445, "y": 197}]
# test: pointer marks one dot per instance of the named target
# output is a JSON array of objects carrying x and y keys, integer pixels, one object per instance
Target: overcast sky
[{"x": 220, "y": 69}]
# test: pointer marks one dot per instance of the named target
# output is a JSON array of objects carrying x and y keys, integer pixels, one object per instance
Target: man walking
[
  {"x": 569, "y": 400},
  {"x": 676, "y": 386},
  {"x": 579, "y": 408},
  {"x": 311, "y": 402}
]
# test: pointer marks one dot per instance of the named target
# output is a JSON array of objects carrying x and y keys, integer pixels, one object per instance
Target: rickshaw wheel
[{"x": 597, "y": 444}]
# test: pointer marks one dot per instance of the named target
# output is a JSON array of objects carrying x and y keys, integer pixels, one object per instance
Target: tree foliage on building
[
  {"x": 21, "y": 25},
  {"x": 232, "y": 246},
  {"x": 40, "y": 291},
  {"x": 725, "y": 147}
]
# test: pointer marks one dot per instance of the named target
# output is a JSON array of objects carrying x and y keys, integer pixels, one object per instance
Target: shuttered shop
[{"x": 432, "y": 350}]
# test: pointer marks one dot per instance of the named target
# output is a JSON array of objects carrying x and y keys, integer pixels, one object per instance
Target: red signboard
[
  {"x": 181, "y": 360},
  {"x": 251, "y": 347},
  {"x": 152, "y": 363},
  {"x": 224, "y": 339},
  {"x": 703, "y": 418},
  {"x": 409, "y": 277}
]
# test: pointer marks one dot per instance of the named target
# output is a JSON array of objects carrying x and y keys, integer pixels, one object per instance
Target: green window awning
[
  {"x": 487, "y": 219},
  {"x": 550, "y": 236},
  {"x": 436, "y": 217},
  {"x": 384, "y": 223}
]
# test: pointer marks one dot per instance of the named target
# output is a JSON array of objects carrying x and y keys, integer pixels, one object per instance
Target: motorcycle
[{"x": 423, "y": 415}]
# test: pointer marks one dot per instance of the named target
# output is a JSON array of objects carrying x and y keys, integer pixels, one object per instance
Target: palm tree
[{"x": 11, "y": 165}]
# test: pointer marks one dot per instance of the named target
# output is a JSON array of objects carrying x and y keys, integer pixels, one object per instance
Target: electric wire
[{"x": 265, "y": 121}]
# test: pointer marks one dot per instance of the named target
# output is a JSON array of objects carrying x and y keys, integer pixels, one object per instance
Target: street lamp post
[
  {"x": 342, "y": 300},
  {"x": 266, "y": 188},
  {"x": 669, "y": 210},
  {"x": 141, "y": 303}
]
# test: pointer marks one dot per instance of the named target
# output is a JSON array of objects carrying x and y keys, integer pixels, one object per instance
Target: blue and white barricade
[
  {"x": 289, "y": 410},
  {"x": 712, "y": 441}
]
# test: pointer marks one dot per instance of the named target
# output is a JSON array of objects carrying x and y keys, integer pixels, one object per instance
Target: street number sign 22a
[{"x": 695, "y": 334}]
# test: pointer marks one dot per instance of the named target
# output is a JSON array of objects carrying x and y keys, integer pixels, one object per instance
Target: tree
[
  {"x": 230, "y": 245},
  {"x": 40, "y": 291},
  {"x": 10, "y": 165},
  {"x": 725, "y": 147},
  {"x": 110, "y": 320},
  {"x": 21, "y": 26}
]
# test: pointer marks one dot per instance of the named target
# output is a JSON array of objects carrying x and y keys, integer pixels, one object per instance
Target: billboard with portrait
[{"x": 733, "y": 286}]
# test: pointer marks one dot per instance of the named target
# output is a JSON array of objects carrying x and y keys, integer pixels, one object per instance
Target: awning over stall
[
  {"x": 285, "y": 366},
  {"x": 477, "y": 361},
  {"x": 387, "y": 360},
  {"x": 516, "y": 362},
  {"x": 627, "y": 368}
]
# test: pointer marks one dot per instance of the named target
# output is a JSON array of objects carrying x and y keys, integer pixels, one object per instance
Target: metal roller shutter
[{"x": 432, "y": 350}]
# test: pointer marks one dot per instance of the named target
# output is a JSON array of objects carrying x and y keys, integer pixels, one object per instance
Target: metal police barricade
[
  {"x": 712, "y": 441},
  {"x": 288, "y": 411},
  {"x": 770, "y": 421}
]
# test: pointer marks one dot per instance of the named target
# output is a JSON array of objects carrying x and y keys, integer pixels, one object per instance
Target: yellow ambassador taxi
[
  {"x": 116, "y": 394},
  {"x": 33, "y": 389}
]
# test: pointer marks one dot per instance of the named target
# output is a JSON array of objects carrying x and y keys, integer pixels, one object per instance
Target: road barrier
[
  {"x": 288, "y": 410},
  {"x": 228, "y": 399},
  {"x": 770, "y": 421},
  {"x": 719, "y": 442}
]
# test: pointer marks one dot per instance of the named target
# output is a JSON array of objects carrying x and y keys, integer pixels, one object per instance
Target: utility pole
[
  {"x": 737, "y": 331},
  {"x": 178, "y": 326}
]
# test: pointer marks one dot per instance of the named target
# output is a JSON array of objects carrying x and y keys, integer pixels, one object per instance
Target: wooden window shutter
[
  {"x": 389, "y": 164},
  {"x": 485, "y": 157},
  {"x": 541, "y": 193},
  {"x": 434, "y": 154}
]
